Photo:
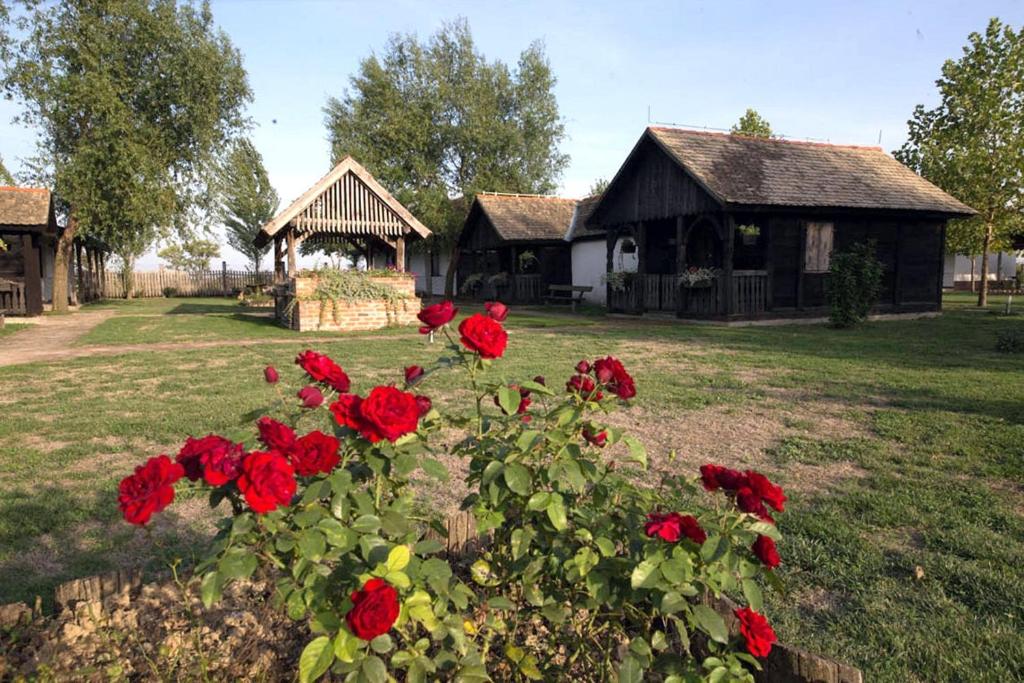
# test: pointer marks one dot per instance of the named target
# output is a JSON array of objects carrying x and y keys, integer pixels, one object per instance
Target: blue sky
[{"x": 826, "y": 70}]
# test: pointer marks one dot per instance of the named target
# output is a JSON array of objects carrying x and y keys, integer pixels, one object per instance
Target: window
[{"x": 819, "y": 247}]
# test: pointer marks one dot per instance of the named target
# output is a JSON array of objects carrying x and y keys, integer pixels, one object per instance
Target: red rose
[
  {"x": 580, "y": 384},
  {"x": 149, "y": 490},
  {"x": 756, "y": 630},
  {"x": 612, "y": 374},
  {"x": 766, "y": 490},
  {"x": 496, "y": 310},
  {"x": 275, "y": 435},
  {"x": 667, "y": 527},
  {"x": 599, "y": 439},
  {"x": 765, "y": 550},
  {"x": 267, "y": 481},
  {"x": 692, "y": 529},
  {"x": 311, "y": 397},
  {"x": 583, "y": 367},
  {"x": 346, "y": 410},
  {"x": 748, "y": 501},
  {"x": 539, "y": 379},
  {"x": 322, "y": 369},
  {"x": 374, "y": 609},
  {"x": 270, "y": 374},
  {"x": 716, "y": 476},
  {"x": 436, "y": 316},
  {"x": 482, "y": 335},
  {"x": 424, "y": 404},
  {"x": 211, "y": 452},
  {"x": 315, "y": 452},
  {"x": 413, "y": 374},
  {"x": 387, "y": 413}
]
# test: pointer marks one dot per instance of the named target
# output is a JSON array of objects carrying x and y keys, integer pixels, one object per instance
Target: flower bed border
[{"x": 785, "y": 664}]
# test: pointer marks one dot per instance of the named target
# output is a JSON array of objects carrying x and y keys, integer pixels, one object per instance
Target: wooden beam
[
  {"x": 292, "y": 260},
  {"x": 942, "y": 258},
  {"x": 769, "y": 264},
  {"x": 278, "y": 261},
  {"x": 897, "y": 285},
  {"x": 33, "y": 278},
  {"x": 400, "y": 254},
  {"x": 801, "y": 261},
  {"x": 641, "y": 248},
  {"x": 680, "y": 245},
  {"x": 611, "y": 237}
]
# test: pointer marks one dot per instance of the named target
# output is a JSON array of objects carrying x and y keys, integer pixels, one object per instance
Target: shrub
[
  {"x": 170, "y": 292},
  {"x": 1010, "y": 341},
  {"x": 854, "y": 284},
  {"x": 589, "y": 570}
]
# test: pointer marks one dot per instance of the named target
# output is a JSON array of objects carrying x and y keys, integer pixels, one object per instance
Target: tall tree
[
  {"x": 972, "y": 144},
  {"x": 598, "y": 186},
  {"x": 191, "y": 255},
  {"x": 752, "y": 124},
  {"x": 133, "y": 100},
  {"x": 248, "y": 200},
  {"x": 437, "y": 122},
  {"x": 5, "y": 176}
]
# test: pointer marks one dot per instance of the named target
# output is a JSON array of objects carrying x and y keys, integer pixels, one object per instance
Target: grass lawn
[
  {"x": 901, "y": 445},
  {"x": 10, "y": 328}
]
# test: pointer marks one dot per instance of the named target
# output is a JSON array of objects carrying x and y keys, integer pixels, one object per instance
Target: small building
[
  {"x": 728, "y": 226},
  {"x": 29, "y": 231},
  {"x": 513, "y": 246},
  {"x": 347, "y": 205},
  {"x": 964, "y": 272}
]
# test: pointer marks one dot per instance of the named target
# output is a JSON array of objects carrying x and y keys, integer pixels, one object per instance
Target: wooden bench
[{"x": 567, "y": 294}]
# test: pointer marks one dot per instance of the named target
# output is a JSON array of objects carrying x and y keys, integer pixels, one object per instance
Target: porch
[{"x": 748, "y": 290}]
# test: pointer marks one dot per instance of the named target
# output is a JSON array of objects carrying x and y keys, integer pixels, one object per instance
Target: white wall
[
  {"x": 589, "y": 258},
  {"x": 425, "y": 284},
  {"x": 958, "y": 268}
]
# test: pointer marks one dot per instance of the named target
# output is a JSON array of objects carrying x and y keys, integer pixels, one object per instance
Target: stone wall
[{"x": 352, "y": 316}]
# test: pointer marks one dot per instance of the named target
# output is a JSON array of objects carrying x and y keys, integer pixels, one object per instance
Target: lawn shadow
[{"x": 228, "y": 306}]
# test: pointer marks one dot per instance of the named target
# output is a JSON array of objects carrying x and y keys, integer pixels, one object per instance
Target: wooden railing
[
  {"x": 749, "y": 292},
  {"x": 12, "y": 297},
  {"x": 704, "y": 300},
  {"x": 527, "y": 288}
]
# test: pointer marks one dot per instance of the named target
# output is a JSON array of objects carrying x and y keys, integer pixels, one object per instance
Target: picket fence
[{"x": 204, "y": 283}]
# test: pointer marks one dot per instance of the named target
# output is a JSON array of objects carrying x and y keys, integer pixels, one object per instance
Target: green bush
[
  {"x": 854, "y": 283},
  {"x": 1010, "y": 341},
  {"x": 170, "y": 292}
]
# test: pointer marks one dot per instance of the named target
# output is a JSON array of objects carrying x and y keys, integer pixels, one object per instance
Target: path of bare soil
[{"x": 49, "y": 338}]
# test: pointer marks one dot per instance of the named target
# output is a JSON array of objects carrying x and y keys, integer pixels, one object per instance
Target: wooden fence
[{"x": 222, "y": 282}]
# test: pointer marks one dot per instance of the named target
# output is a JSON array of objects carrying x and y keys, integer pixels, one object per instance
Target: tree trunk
[
  {"x": 974, "y": 260},
  {"x": 127, "y": 275},
  {"x": 62, "y": 264},
  {"x": 983, "y": 294},
  {"x": 449, "y": 276}
]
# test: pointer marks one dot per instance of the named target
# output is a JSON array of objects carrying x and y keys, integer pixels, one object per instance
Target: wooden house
[
  {"x": 754, "y": 222},
  {"x": 29, "y": 230},
  {"x": 513, "y": 246}
]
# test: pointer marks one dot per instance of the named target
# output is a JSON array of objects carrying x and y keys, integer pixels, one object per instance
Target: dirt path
[{"x": 50, "y": 338}]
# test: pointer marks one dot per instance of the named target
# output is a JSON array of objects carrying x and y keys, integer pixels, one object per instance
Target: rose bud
[
  {"x": 539, "y": 379},
  {"x": 311, "y": 397},
  {"x": 497, "y": 310},
  {"x": 412, "y": 374},
  {"x": 583, "y": 367},
  {"x": 270, "y": 374},
  {"x": 423, "y": 404}
]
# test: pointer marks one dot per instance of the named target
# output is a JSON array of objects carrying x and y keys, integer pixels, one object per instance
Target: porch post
[
  {"x": 801, "y": 262},
  {"x": 33, "y": 279},
  {"x": 727, "y": 253},
  {"x": 611, "y": 236},
  {"x": 641, "y": 248},
  {"x": 278, "y": 262},
  {"x": 682, "y": 232},
  {"x": 897, "y": 285},
  {"x": 290, "y": 236},
  {"x": 400, "y": 254},
  {"x": 769, "y": 265}
]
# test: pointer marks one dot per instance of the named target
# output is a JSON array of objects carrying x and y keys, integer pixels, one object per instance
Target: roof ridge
[
  {"x": 525, "y": 195},
  {"x": 15, "y": 188},
  {"x": 691, "y": 131}
]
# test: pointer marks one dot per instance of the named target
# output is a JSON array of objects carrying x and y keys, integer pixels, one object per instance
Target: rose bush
[{"x": 590, "y": 569}]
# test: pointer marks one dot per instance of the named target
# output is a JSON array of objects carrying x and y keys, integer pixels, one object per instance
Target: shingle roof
[
  {"x": 757, "y": 171},
  {"x": 27, "y": 206},
  {"x": 528, "y": 218},
  {"x": 579, "y": 228}
]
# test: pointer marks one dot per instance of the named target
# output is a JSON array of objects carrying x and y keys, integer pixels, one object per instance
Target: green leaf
[
  {"x": 672, "y": 602},
  {"x": 508, "y": 399},
  {"x": 315, "y": 659},
  {"x": 537, "y": 387},
  {"x": 366, "y": 524},
  {"x": 518, "y": 479},
  {"x": 539, "y": 501},
  {"x": 520, "y": 542},
  {"x": 500, "y": 602},
  {"x": 528, "y": 667},
  {"x": 346, "y": 645},
  {"x": 606, "y": 547},
  {"x": 528, "y": 439},
  {"x": 752, "y": 592},
  {"x": 714, "y": 547},
  {"x": 428, "y": 546},
  {"x": 482, "y": 573},
  {"x": 382, "y": 644},
  {"x": 556, "y": 512},
  {"x": 374, "y": 670},
  {"x": 491, "y": 472},
  {"x": 766, "y": 529},
  {"x": 711, "y": 622},
  {"x": 645, "y": 575},
  {"x": 210, "y": 588},
  {"x": 677, "y": 569},
  {"x": 398, "y": 558},
  {"x": 237, "y": 563},
  {"x": 637, "y": 452},
  {"x": 586, "y": 559},
  {"x": 434, "y": 468},
  {"x": 630, "y": 670},
  {"x": 312, "y": 545}
]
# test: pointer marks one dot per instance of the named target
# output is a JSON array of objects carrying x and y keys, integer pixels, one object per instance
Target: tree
[
  {"x": 436, "y": 122},
  {"x": 5, "y": 176},
  {"x": 598, "y": 187},
  {"x": 972, "y": 144},
  {"x": 192, "y": 255},
  {"x": 248, "y": 200},
  {"x": 133, "y": 101},
  {"x": 753, "y": 125}
]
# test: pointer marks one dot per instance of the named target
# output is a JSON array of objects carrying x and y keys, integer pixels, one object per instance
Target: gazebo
[{"x": 347, "y": 204}]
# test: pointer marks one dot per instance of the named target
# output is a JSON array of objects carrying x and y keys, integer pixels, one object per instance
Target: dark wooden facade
[
  {"x": 503, "y": 266},
  {"x": 758, "y": 250}
]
